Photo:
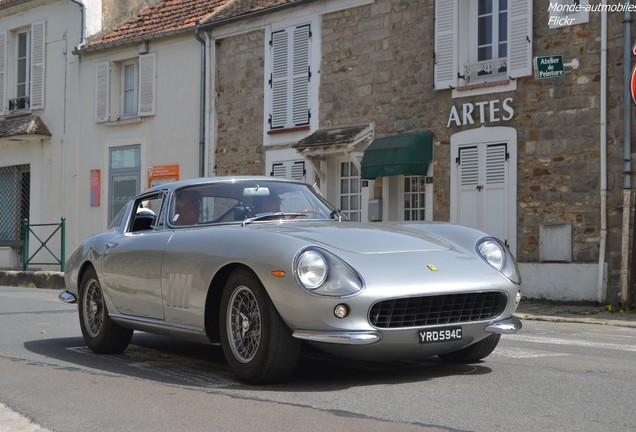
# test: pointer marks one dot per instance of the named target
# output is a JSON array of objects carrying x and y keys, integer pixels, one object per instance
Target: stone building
[
  {"x": 510, "y": 116},
  {"x": 536, "y": 159}
]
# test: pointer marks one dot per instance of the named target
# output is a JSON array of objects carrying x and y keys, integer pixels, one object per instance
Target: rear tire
[
  {"x": 101, "y": 334},
  {"x": 474, "y": 352},
  {"x": 257, "y": 344}
]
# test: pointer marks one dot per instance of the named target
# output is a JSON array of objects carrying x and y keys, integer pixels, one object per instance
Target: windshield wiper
[{"x": 266, "y": 215}]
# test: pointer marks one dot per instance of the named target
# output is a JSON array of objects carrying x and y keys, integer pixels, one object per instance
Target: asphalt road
[{"x": 550, "y": 376}]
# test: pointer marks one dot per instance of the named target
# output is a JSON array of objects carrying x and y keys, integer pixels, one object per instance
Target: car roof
[{"x": 221, "y": 179}]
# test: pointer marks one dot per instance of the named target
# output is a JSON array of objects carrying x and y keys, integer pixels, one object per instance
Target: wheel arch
[
  {"x": 82, "y": 271},
  {"x": 213, "y": 299}
]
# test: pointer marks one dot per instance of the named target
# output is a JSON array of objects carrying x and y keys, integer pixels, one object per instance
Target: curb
[
  {"x": 34, "y": 279},
  {"x": 597, "y": 321}
]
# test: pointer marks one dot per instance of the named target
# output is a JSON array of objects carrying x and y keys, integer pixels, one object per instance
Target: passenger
[{"x": 187, "y": 208}]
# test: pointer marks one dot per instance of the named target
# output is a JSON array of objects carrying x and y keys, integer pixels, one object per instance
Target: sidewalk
[{"x": 530, "y": 309}]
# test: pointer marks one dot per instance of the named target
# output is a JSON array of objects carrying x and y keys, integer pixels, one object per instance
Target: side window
[{"x": 146, "y": 215}]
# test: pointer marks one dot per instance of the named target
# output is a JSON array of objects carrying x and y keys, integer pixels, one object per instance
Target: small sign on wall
[
  {"x": 162, "y": 174},
  {"x": 548, "y": 67},
  {"x": 96, "y": 184}
]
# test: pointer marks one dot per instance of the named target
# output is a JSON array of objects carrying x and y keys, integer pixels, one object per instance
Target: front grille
[{"x": 438, "y": 309}]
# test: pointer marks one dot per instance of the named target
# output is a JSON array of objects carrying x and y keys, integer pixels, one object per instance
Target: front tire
[
  {"x": 101, "y": 334},
  {"x": 257, "y": 344},
  {"x": 474, "y": 352}
]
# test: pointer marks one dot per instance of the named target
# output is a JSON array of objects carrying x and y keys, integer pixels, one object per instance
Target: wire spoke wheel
[
  {"x": 101, "y": 334},
  {"x": 256, "y": 343},
  {"x": 244, "y": 324},
  {"x": 94, "y": 308}
]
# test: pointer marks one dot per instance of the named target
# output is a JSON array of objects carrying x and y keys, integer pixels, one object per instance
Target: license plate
[{"x": 437, "y": 335}]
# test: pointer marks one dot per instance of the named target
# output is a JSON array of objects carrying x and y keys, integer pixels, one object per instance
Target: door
[
  {"x": 132, "y": 261},
  {"x": 483, "y": 182}
]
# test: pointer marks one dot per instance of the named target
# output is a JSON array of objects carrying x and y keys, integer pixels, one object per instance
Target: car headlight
[
  {"x": 322, "y": 272},
  {"x": 497, "y": 255},
  {"x": 312, "y": 269}
]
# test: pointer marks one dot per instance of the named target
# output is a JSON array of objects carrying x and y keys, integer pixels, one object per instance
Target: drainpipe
[
  {"x": 627, "y": 154},
  {"x": 201, "y": 103},
  {"x": 83, "y": 10},
  {"x": 601, "y": 287}
]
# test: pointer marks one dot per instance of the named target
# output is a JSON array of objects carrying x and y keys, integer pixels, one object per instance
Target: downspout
[
  {"x": 601, "y": 286},
  {"x": 83, "y": 11},
  {"x": 627, "y": 154},
  {"x": 201, "y": 103}
]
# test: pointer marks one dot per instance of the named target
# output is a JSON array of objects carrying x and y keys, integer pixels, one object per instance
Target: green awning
[{"x": 404, "y": 154}]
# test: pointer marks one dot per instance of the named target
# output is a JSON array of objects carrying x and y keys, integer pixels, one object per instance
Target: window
[
  {"x": 125, "y": 177},
  {"x": 129, "y": 87},
  {"x": 491, "y": 49},
  {"x": 482, "y": 41},
  {"x": 15, "y": 190},
  {"x": 414, "y": 198},
  {"x": 22, "y": 60},
  {"x": 350, "y": 193},
  {"x": 567, "y": 12},
  {"x": 290, "y": 75},
  {"x": 147, "y": 212}
]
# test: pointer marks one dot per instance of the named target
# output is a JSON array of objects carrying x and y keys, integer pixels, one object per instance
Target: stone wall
[
  {"x": 239, "y": 91},
  {"x": 377, "y": 66}
]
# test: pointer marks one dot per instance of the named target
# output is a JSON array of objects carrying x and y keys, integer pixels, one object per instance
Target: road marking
[
  {"x": 520, "y": 353},
  {"x": 573, "y": 342},
  {"x": 11, "y": 421}
]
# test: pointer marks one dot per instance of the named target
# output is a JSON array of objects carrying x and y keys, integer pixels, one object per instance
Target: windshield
[{"x": 247, "y": 201}]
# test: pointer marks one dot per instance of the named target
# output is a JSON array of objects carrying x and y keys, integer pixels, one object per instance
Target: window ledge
[
  {"x": 124, "y": 121},
  {"x": 483, "y": 85},
  {"x": 288, "y": 130}
]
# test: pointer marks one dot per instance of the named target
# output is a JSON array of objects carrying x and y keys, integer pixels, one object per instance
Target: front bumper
[
  {"x": 67, "y": 297},
  {"x": 506, "y": 326}
]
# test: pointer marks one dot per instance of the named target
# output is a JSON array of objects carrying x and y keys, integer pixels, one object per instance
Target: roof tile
[{"x": 167, "y": 16}]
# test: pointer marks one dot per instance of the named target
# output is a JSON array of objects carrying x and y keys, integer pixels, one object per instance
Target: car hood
[{"x": 361, "y": 238}]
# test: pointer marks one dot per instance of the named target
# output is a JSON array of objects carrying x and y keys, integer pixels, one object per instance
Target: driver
[
  {"x": 266, "y": 204},
  {"x": 187, "y": 208}
]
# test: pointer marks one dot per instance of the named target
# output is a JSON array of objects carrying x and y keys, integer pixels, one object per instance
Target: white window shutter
[
  {"x": 3, "y": 73},
  {"x": 102, "y": 91},
  {"x": 519, "y": 38},
  {"x": 38, "y": 63},
  {"x": 292, "y": 170},
  {"x": 147, "y": 84},
  {"x": 298, "y": 171},
  {"x": 279, "y": 170},
  {"x": 301, "y": 73},
  {"x": 280, "y": 79},
  {"x": 446, "y": 37}
]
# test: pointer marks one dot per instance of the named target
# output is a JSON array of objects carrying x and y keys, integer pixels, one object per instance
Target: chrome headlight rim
[
  {"x": 341, "y": 281},
  {"x": 494, "y": 252}
]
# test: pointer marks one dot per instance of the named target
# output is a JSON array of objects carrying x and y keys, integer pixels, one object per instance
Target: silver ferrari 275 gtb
[{"x": 261, "y": 265}]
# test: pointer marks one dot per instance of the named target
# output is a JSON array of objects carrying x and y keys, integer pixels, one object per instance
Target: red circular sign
[{"x": 633, "y": 84}]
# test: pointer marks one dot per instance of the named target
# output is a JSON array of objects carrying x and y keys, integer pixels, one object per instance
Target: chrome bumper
[
  {"x": 507, "y": 326},
  {"x": 359, "y": 338},
  {"x": 67, "y": 297}
]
